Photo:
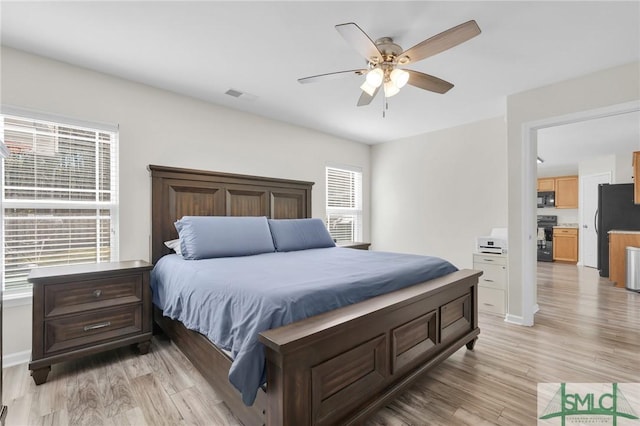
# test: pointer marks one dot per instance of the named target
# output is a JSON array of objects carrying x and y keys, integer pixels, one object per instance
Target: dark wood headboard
[{"x": 179, "y": 192}]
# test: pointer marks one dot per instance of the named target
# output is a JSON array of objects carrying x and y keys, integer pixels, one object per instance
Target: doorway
[
  {"x": 526, "y": 251},
  {"x": 588, "y": 211}
]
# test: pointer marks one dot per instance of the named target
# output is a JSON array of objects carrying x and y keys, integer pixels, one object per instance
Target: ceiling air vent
[{"x": 242, "y": 95}]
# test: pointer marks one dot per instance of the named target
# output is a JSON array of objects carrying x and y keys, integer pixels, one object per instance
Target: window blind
[
  {"x": 344, "y": 204},
  {"x": 59, "y": 196}
]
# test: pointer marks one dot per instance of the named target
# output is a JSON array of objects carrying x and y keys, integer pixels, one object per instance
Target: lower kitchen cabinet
[
  {"x": 565, "y": 245},
  {"x": 492, "y": 285}
]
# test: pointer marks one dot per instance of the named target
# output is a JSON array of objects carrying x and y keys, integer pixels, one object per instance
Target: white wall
[
  {"x": 435, "y": 193},
  {"x": 595, "y": 165},
  {"x": 160, "y": 127},
  {"x": 602, "y": 89},
  {"x": 624, "y": 168}
]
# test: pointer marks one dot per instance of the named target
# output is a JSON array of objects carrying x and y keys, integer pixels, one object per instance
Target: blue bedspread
[{"x": 231, "y": 300}]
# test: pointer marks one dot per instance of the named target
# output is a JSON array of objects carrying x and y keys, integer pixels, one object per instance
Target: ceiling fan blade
[
  {"x": 330, "y": 76},
  {"x": 365, "y": 98},
  {"x": 428, "y": 82},
  {"x": 440, "y": 42},
  {"x": 360, "y": 41}
]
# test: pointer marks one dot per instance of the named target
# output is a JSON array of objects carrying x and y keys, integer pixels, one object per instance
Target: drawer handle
[
  {"x": 96, "y": 326},
  {"x": 489, "y": 281},
  {"x": 97, "y": 293},
  {"x": 488, "y": 260},
  {"x": 488, "y": 304}
]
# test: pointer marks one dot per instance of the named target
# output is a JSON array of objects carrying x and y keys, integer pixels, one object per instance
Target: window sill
[{"x": 13, "y": 300}]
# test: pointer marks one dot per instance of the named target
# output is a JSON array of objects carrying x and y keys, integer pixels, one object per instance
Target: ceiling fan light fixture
[
  {"x": 368, "y": 88},
  {"x": 399, "y": 77},
  {"x": 375, "y": 77},
  {"x": 390, "y": 89}
]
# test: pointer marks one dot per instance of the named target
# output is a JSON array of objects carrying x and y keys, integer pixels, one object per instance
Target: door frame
[
  {"x": 528, "y": 176},
  {"x": 581, "y": 209}
]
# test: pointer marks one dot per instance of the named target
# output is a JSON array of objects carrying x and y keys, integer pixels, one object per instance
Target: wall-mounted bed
[{"x": 337, "y": 367}]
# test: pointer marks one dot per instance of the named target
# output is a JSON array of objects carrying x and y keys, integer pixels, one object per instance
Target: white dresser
[{"x": 493, "y": 288}]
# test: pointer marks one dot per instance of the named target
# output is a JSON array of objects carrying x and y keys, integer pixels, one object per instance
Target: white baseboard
[
  {"x": 514, "y": 319},
  {"x": 16, "y": 358}
]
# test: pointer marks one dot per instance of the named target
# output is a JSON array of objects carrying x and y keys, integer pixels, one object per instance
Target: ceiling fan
[{"x": 384, "y": 59}]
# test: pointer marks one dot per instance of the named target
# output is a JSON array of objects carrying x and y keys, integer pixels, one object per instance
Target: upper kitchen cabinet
[
  {"x": 566, "y": 192},
  {"x": 546, "y": 184},
  {"x": 636, "y": 176}
]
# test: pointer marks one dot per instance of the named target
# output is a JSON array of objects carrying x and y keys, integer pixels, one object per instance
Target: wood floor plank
[
  {"x": 84, "y": 406},
  {"x": 56, "y": 418},
  {"x": 134, "y": 365},
  {"x": 156, "y": 404},
  {"x": 197, "y": 410},
  {"x": 133, "y": 417},
  {"x": 161, "y": 362},
  {"x": 586, "y": 331}
]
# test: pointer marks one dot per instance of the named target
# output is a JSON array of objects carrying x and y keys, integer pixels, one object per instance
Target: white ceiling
[
  {"x": 202, "y": 49},
  {"x": 563, "y": 147}
]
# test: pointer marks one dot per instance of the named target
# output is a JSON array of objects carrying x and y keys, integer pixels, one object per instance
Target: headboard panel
[{"x": 177, "y": 192}]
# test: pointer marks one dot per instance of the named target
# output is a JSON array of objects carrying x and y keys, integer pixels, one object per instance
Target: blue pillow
[
  {"x": 299, "y": 234},
  {"x": 205, "y": 237}
]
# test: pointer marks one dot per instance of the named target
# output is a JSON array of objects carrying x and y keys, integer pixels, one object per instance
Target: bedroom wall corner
[{"x": 434, "y": 193}]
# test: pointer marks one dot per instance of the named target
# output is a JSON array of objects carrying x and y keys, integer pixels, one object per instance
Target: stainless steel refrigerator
[{"x": 616, "y": 210}]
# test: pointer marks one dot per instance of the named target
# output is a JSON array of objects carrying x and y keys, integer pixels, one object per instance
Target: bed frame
[{"x": 337, "y": 367}]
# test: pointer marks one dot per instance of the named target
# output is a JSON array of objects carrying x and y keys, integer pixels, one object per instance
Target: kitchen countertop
[
  {"x": 623, "y": 231},
  {"x": 566, "y": 225}
]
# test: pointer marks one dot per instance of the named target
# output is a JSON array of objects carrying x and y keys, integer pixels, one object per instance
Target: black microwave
[{"x": 546, "y": 199}]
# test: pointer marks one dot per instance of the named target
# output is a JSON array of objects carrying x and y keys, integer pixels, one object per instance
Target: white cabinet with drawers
[{"x": 493, "y": 288}]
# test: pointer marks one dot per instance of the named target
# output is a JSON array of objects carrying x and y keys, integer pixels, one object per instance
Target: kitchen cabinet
[
  {"x": 546, "y": 184},
  {"x": 492, "y": 284},
  {"x": 567, "y": 192},
  {"x": 636, "y": 177},
  {"x": 565, "y": 244},
  {"x": 618, "y": 243}
]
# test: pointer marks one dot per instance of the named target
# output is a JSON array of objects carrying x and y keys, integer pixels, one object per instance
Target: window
[
  {"x": 344, "y": 203},
  {"x": 59, "y": 196}
]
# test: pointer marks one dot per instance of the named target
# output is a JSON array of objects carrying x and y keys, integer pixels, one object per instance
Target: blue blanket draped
[{"x": 231, "y": 300}]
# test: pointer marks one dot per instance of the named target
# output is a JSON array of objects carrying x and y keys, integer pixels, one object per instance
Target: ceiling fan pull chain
[{"x": 385, "y": 106}]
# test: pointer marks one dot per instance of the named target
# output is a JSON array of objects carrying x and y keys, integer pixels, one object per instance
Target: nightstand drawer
[
  {"x": 80, "y": 330},
  {"x": 87, "y": 295}
]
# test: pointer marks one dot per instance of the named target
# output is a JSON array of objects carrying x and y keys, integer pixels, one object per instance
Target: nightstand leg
[
  {"x": 143, "y": 347},
  {"x": 472, "y": 344},
  {"x": 40, "y": 375}
]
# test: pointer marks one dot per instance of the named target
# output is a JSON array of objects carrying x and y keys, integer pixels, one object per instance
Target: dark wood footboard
[{"x": 339, "y": 367}]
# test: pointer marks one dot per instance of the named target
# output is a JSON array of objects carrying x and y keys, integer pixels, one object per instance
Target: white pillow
[{"x": 174, "y": 245}]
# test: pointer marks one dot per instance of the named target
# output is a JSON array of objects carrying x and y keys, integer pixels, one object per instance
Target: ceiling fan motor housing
[{"x": 388, "y": 49}]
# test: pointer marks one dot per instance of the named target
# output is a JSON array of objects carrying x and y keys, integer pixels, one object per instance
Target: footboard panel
[{"x": 339, "y": 367}]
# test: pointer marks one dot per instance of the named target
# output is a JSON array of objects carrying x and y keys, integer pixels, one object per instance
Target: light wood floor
[{"x": 586, "y": 331}]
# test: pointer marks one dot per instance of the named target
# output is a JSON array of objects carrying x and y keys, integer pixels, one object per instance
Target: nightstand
[
  {"x": 353, "y": 245},
  {"x": 81, "y": 310}
]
